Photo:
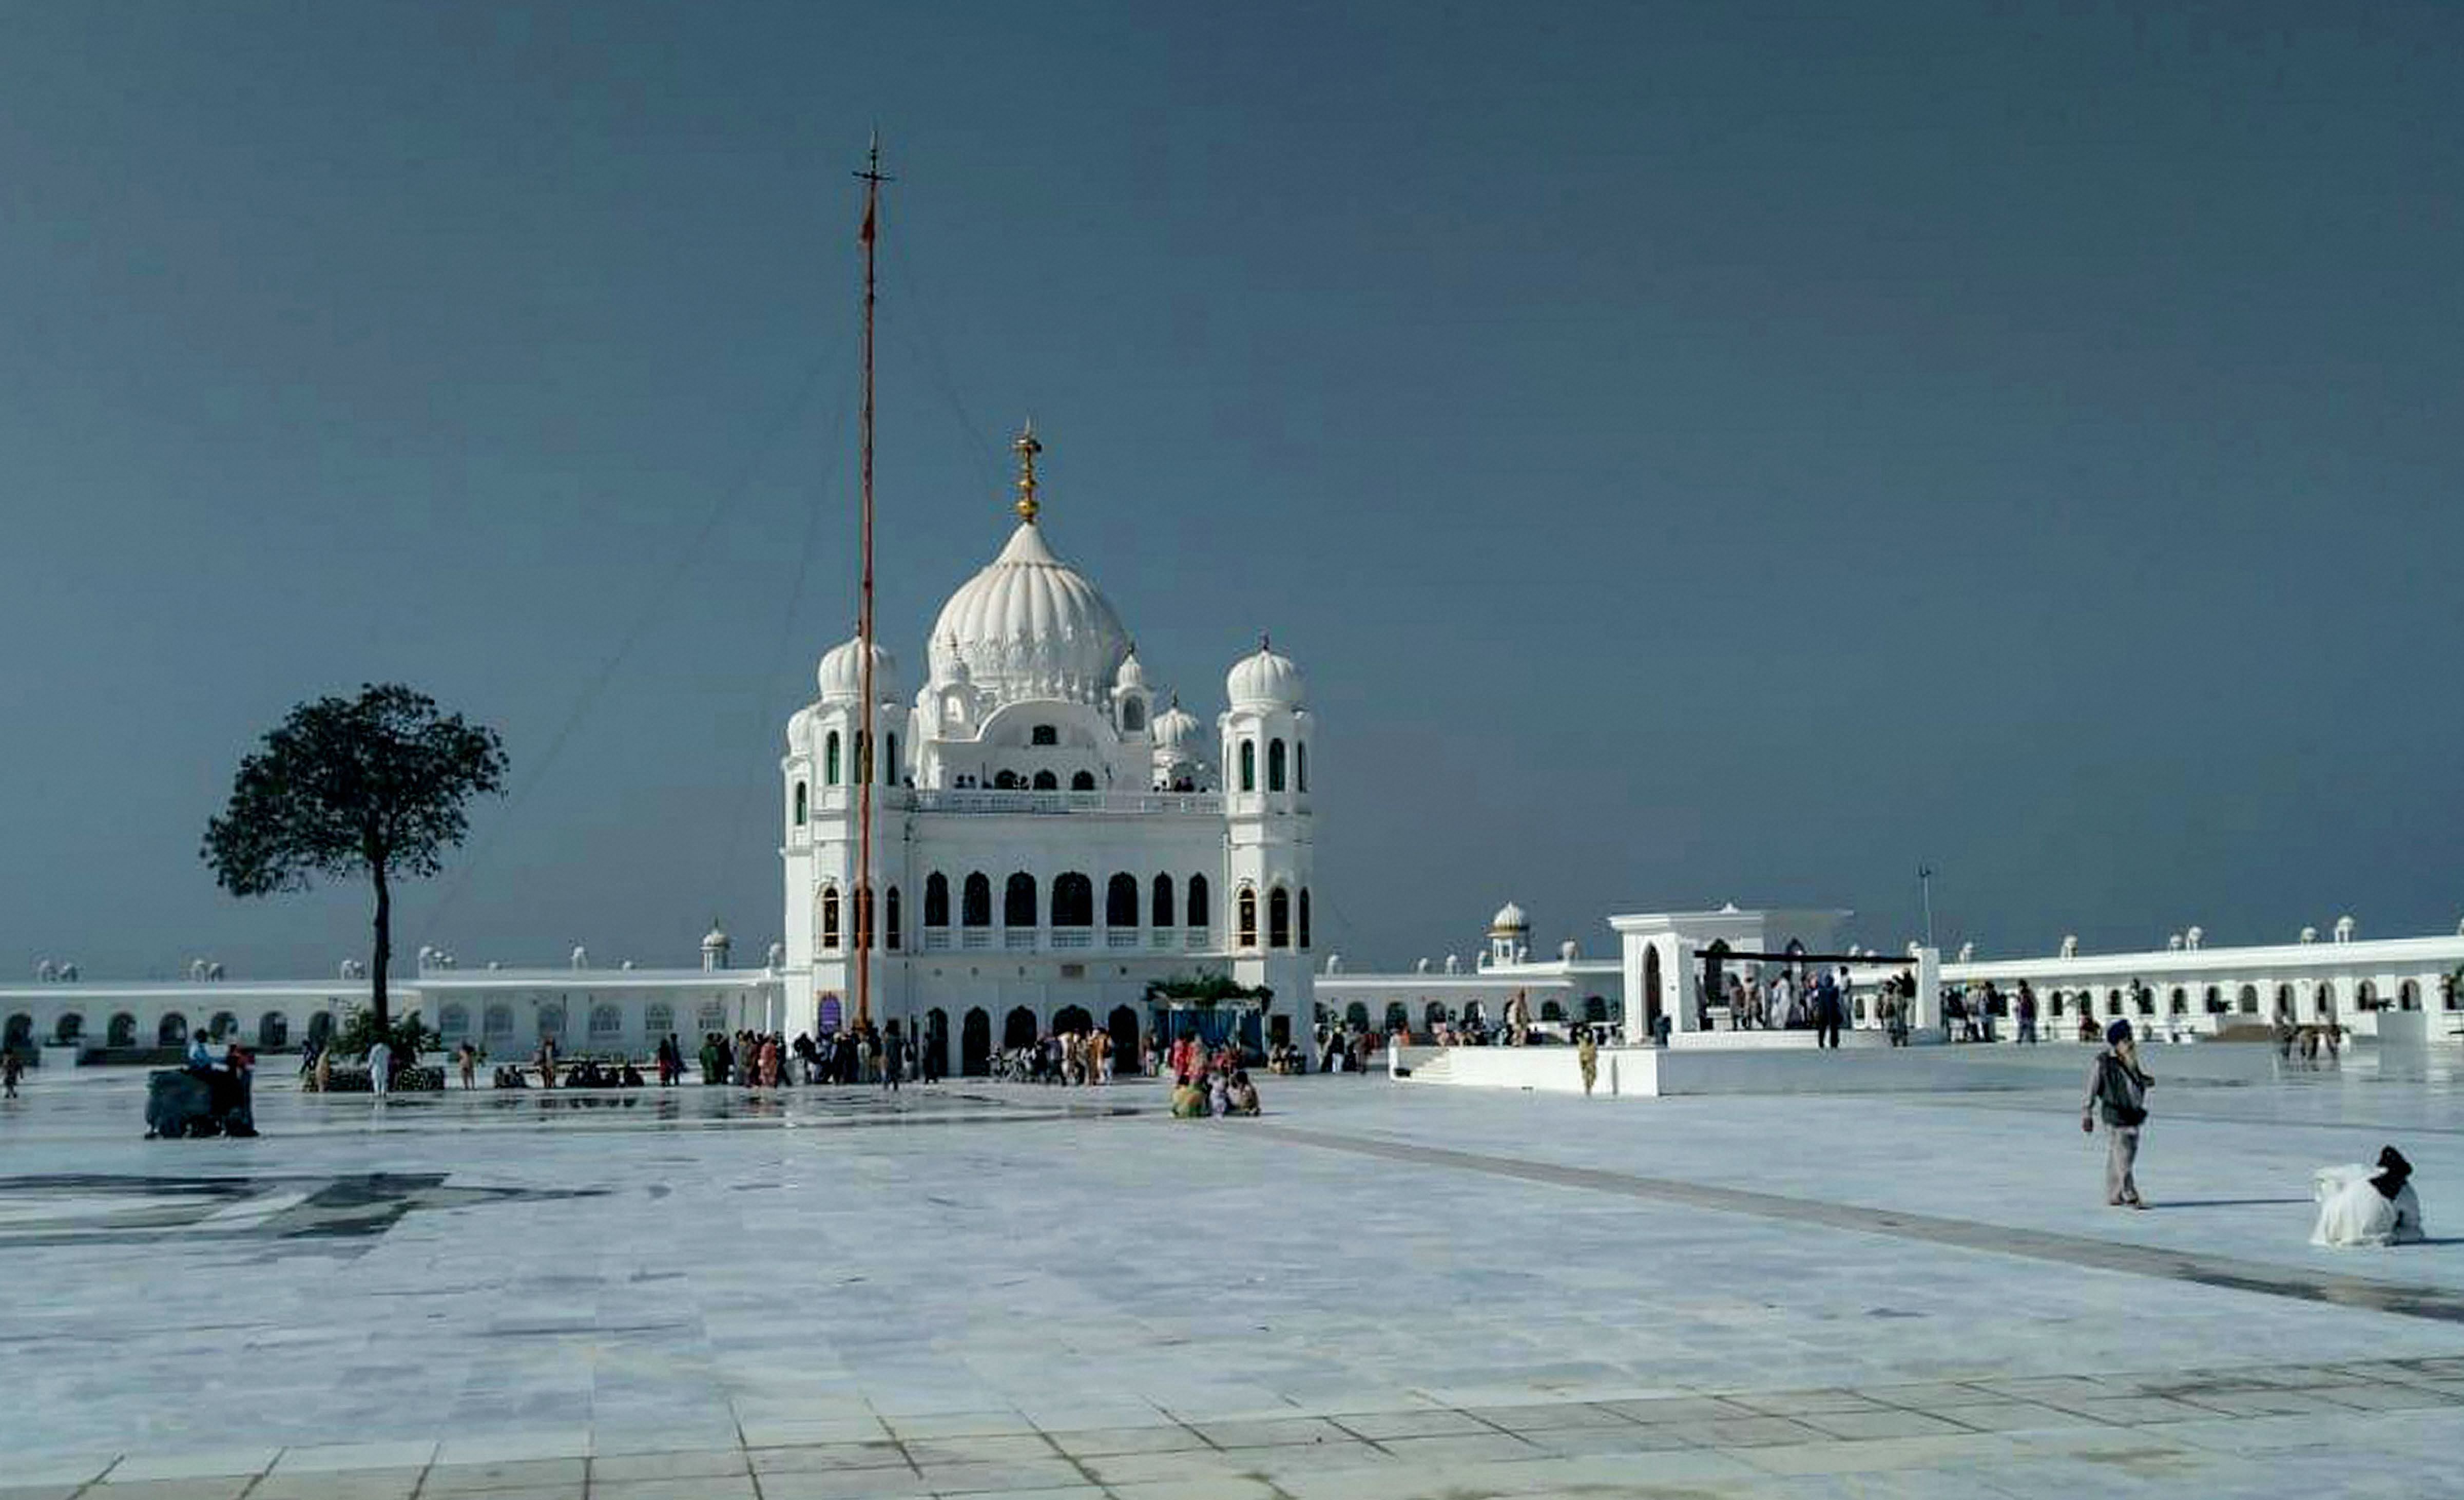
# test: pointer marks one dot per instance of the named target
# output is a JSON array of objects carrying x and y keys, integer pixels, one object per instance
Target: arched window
[
  {"x": 800, "y": 804},
  {"x": 712, "y": 1016},
  {"x": 551, "y": 1020},
  {"x": 1083, "y": 782},
  {"x": 1047, "y": 782},
  {"x": 1275, "y": 765},
  {"x": 2250, "y": 999},
  {"x": 2408, "y": 995},
  {"x": 658, "y": 1017},
  {"x": 2215, "y": 1002},
  {"x": 976, "y": 901},
  {"x": 122, "y": 1031},
  {"x": 1074, "y": 900},
  {"x": 1305, "y": 919},
  {"x": 890, "y": 766},
  {"x": 829, "y": 917},
  {"x": 894, "y": 935},
  {"x": 1198, "y": 913},
  {"x": 936, "y": 899},
  {"x": 1005, "y": 780},
  {"x": 1279, "y": 919},
  {"x": 1163, "y": 908},
  {"x": 171, "y": 1032},
  {"x": 1133, "y": 717},
  {"x": 2285, "y": 1001},
  {"x": 1551, "y": 1010},
  {"x": 1121, "y": 900},
  {"x": 1300, "y": 765},
  {"x": 830, "y": 760},
  {"x": 605, "y": 1022},
  {"x": 71, "y": 1027},
  {"x": 2179, "y": 1003},
  {"x": 453, "y": 1023},
  {"x": 1018, "y": 901},
  {"x": 224, "y": 1024},
  {"x": 272, "y": 1031},
  {"x": 497, "y": 1020},
  {"x": 1248, "y": 765},
  {"x": 1044, "y": 735},
  {"x": 1248, "y": 922}
]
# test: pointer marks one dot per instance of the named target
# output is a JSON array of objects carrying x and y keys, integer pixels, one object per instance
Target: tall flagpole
[{"x": 872, "y": 720}]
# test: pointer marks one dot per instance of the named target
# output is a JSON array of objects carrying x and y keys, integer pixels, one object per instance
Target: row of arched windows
[
  {"x": 831, "y": 769},
  {"x": 892, "y": 933},
  {"x": 2213, "y": 1000},
  {"x": 1278, "y": 917},
  {"x": 1276, "y": 780},
  {"x": 1073, "y": 901}
]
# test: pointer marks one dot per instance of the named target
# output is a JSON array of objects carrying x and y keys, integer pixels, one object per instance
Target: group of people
[
  {"x": 1207, "y": 1081},
  {"x": 1071, "y": 1058},
  {"x": 1788, "y": 1001}
]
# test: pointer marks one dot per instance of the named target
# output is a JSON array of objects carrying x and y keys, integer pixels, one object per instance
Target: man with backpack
[{"x": 2116, "y": 1088}]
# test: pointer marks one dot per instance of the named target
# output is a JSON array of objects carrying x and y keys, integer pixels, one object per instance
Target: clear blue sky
[{"x": 1698, "y": 452}]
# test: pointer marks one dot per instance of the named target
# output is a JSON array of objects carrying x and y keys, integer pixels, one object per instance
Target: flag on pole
[{"x": 865, "y": 235}]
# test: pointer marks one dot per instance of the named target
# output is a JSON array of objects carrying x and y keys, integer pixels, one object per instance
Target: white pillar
[
  {"x": 1928, "y": 996},
  {"x": 1678, "y": 989}
]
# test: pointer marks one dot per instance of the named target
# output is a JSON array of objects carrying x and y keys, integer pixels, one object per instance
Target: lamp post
[{"x": 1925, "y": 887}]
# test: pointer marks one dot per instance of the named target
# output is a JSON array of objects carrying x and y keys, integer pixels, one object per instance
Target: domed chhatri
[
  {"x": 1510, "y": 918},
  {"x": 842, "y": 672},
  {"x": 1266, "y": 679},
  {"x": 1048, "y": 802}
]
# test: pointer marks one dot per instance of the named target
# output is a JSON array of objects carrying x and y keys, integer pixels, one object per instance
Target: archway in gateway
[
  {"x": 936, "y": 1041},
  {"x": 1123, "y": 1024},
  {"x": 975, "y": 1044},
  {"x": 1073, "y": 1019},
  {"x": 1017, "y": 1030}
]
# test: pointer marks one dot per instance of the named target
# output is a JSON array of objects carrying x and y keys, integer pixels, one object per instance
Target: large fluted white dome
[
  {"x": 1265, "y": 679},
  {"x": 842, "y": 672},
  {"x": 1030, "y": 625}
]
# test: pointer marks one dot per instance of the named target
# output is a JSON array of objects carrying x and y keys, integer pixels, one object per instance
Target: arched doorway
[
  {"x": 1551, "y": 1010},
  {"x": 1123, "y": 1024},
  {"x": 172, "y": 1031},
  {"x": 975, "y": 1044},
  {"x": 1651, "y": 1007},
  {"x": 19, "y": 1035},
  {"x": 2323, "y": 1003},
  {"x": 936, "y": 1041},
  {"x": 224, "y": 1024},
  {"x": 71, "y": 1028},
  {"x": 2250, "y": 999},
  {"x": 272, "y": 1031},
  {"x": 122, "y": 1031},
  {"x": 1433, "y": 1015},
  {"x": 1399, "y": 1016},
  {"x": 1018, "y": 1029},
  {"x": 1595, "y": 1010},
  {"x": 2285, "y": 1002},
  {"x": 1356, "y": 1014},
  {"x": 321, "y": 1029},
  {"x": 1073, "y": 1020}
]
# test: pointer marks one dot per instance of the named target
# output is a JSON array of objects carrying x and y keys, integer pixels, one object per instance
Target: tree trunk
[{"x": 383, "y": 954}]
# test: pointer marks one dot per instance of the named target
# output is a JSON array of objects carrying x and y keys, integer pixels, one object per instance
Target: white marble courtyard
[{"x": 1379, "y": 1290}]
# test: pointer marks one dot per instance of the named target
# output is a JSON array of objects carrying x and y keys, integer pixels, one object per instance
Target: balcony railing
[
  {"x": 1030, "y": 939},
  {"x": 980, "y": 799}
]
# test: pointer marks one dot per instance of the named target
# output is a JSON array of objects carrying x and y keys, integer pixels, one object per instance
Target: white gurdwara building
[{"x": 1046, "y": 841}]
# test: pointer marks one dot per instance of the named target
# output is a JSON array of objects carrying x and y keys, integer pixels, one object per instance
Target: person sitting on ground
[
  {"x": 1240, "y": 1097},
  {"x": 2358, "y": 1205},
  {"x": 1218, "y": 1093},
  {"x": 1188, "y": 1099},
  {"x": 632, "y": 1076}
]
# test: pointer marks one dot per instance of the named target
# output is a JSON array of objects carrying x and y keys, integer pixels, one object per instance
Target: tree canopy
[{"x": 370, "y": 787}]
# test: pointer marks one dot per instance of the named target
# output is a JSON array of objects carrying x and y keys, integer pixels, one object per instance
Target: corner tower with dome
[{"x": 1046, "y": 839}]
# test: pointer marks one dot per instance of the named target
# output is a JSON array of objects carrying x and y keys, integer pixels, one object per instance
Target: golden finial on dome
[{"x": 1026, "y": 447}]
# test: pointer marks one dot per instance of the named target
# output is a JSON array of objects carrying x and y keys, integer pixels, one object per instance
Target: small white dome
[
  {"x": 842, "y": 672},
  {"x": 1177, "y": 728},
  {"x": 715, "y": 937},
  {"x": 1266, "y": 679},
  {"x": 1510, "y": 918},
  {"x": 1132, "y": 675}
]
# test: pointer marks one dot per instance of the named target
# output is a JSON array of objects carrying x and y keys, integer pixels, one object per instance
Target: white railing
[
  {"x": 1121, "y": 938},
  {"x": 980, "y": 799},
  {"x": 1018, "y": 938},
  {"x": 935, "y": 939},
  {"x": 1195, "y": 940},
  {"x": 975, "y": 937},
  {"x": 1074, "y": 937},
  {"x": 1162, "y": 938}
]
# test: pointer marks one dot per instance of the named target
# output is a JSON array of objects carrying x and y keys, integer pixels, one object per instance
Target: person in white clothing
[
  {"x": 2363, "y": 1205},
  {"x": 381, "y": 1070}
]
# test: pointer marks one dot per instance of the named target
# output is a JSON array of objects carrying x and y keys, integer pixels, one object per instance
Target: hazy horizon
[{"x": 1696, "y": 453}]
